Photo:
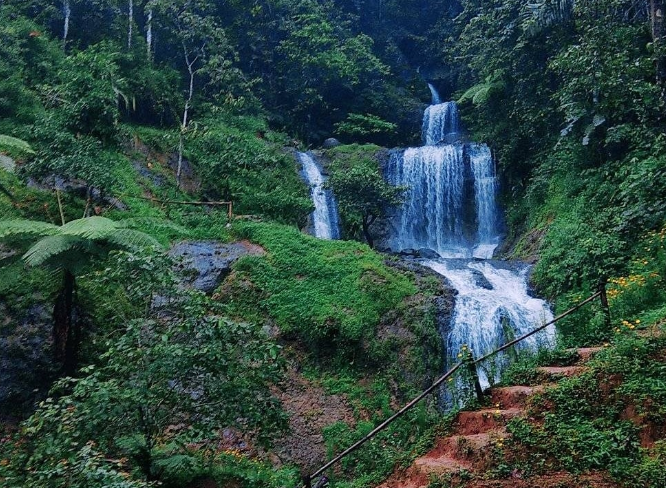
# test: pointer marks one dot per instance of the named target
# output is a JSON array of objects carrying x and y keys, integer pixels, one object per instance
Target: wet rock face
[
  {"x": 26, "y": 367},
  {"x": 204, "y": 264}
]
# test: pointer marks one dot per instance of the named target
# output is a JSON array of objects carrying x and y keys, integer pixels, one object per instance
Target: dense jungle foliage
[{"x": 109, "y": 107}]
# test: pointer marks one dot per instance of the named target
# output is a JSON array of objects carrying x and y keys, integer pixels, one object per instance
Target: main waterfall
[{"x": 451, "y": 208}]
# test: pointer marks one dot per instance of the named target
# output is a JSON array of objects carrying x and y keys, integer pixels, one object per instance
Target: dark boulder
[
  {"x": 331, "y": 142},
  {"x": 428, "y": 253},
  {"x": 204, "y": 264}
]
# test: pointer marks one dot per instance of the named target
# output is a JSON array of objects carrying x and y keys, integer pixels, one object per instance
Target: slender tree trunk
[
  {"x": 186, "y": 111},
  {"x": 66, "y": 329},
  {"x": 130, "y": 15},
  {"x": 657, "y": 12},
  {"x": 67, "y": 11}
]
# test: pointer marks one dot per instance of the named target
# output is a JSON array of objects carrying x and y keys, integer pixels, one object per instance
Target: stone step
[
  {"x": 562, "y": 371},
  {"x": 470, "y": 450},
  {"x": 513, "y": 396},
  {"x": 483, "y": 421},
  {"x": 585, "y": 353}
]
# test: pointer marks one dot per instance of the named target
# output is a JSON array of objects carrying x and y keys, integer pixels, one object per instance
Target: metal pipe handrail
[{"x": 308, "y": 479}]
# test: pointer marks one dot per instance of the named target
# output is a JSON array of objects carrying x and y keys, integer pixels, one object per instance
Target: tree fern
[
  {"x": 26, "y": 228},
  {"x": 9, "y": 143},
  {"x": 49, "y": 247},
  {"x": 132, "y": 239},
  {"x": 90, "y": 228}
]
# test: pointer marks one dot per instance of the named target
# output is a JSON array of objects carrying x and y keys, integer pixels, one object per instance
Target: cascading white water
[
  {"x": 485, "y": 190},
  {"x": 435, "y": 96},
  {"x": 492, "y": 308},
  {"x": 432, "y": 215},
  {"x": 440, "y": 122},
  {"x": 325, "y": 216},
  {"x": 450, "y": 205},
  {"x": 451, "y": 208}
]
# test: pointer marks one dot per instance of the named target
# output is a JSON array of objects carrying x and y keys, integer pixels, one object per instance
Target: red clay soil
[
  {"x": 310, "y": 410},
  {"x": 476, "y": 437},
  {"x": 553, "y": 480}
]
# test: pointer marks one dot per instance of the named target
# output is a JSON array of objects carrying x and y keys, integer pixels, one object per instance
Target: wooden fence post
[{"x": 471, "y": 367}]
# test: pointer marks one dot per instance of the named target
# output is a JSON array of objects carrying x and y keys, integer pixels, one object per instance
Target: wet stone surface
[{"x": 203, "y": 265}]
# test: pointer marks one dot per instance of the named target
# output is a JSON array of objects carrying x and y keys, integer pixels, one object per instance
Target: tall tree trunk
[
  {"x": 657, "y": 12},
  {"x": 66, "y": 329},
  {"x": 130, "y": 15}
]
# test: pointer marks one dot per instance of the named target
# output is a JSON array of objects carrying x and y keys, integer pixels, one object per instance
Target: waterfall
[
  {"x": 149, "y": 34},
  {"x": 432, "y": 215},
  {"x": 67, "y": 11},
  {"x": 451, "y": 207},
  {"x": 325, "y": 216},
  {"x": 492, "y": 308},
  {"x": 435, "y": 96},
  {"x": 485, "y": 190},
  {"x": 440, "y": 122}
]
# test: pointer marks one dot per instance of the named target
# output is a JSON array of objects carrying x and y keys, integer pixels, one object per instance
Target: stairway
[{"x": 476, "y": 435}]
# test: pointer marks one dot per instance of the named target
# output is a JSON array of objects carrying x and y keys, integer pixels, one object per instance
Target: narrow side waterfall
[
  {"x": 325, "y": 221},
  {"x": 451, "y": 208}
]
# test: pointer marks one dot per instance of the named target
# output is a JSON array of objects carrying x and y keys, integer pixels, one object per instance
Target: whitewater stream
[{"x": 325, "y": 221}]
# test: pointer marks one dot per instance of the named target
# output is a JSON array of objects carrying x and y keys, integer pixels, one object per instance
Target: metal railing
[{"x": 468, "y": 361}]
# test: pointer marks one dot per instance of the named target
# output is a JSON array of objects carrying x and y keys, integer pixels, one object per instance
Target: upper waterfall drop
[
  {"x": 451, "y": 202},
  {"x": 325, "y": 221},
  {"x": 435, "y": 95}
]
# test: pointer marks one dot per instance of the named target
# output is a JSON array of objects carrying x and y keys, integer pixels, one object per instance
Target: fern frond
[
  {"x": 132, "y": 239},
  {"x": 51, "y": 246},
  {"x": 13, "y": 144},
  {"x": 152, "y": 224},
  {"x": 26, "y": 228},
  {"x": 90, "y": 228}
]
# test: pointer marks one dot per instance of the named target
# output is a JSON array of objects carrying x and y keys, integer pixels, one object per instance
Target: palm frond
[
  {"x": 26, "y": 228},
  {"x": 132, "y": 239},
  {"x": 10, "y": 143},
  {"x": 90, "y": 228},
  {"x": 51, "y": 246}
]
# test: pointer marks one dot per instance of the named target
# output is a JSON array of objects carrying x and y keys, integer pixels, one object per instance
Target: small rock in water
[
  {"x": 480, "y": 280},
  {"x": 428, "y": 253},
  {"x": 331, "y": 142}
]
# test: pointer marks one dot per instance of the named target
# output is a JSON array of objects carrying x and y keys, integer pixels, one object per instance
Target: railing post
[
  {"x": 604, "y": 301},
  {"x": 471, "y": 367}
]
